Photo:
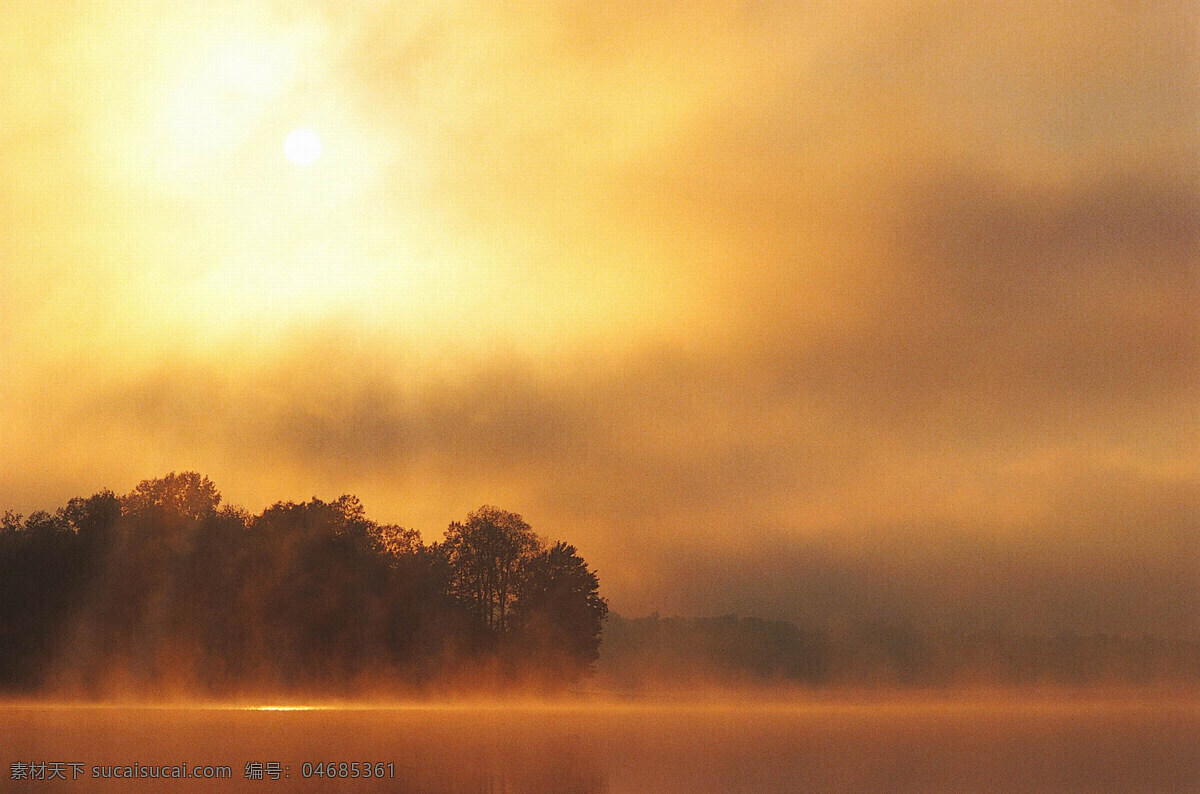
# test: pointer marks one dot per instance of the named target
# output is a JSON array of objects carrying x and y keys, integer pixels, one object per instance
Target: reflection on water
[{"x": 934, "y": 745}]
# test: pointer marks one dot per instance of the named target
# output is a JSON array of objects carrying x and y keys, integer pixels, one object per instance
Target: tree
[
  {"x": 164, "y": 587},
  {"x": 397, "y": 541},
  {"x": 40, "y": 577},
  {"x": 322, "y": 608},
  {"x": 93, "y": 518},
  {"x": 150, "y": 586},
  {"x": 486, "y": 555},
  {"x": 187, "y": 496},
  {"x": 559, "y": 611}
]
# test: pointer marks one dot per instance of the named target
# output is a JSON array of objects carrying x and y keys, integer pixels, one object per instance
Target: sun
[{"x": 302, "y": 146}]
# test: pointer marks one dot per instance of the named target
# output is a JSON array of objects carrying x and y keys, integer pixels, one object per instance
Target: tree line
[
  {"x": 167, "y": 589},
  {"x": 653, "y": 653}
]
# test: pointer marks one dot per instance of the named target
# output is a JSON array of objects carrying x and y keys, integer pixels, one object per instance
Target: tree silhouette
[
  {"x": 486, "y": 554},
  {"x": 184, "y": 496},
  {"x": 166, "y": 590},
  {"x": 40, "y": 566},
  {"x": 559, "y": 612},
  {"x": 166, "y": 587}
]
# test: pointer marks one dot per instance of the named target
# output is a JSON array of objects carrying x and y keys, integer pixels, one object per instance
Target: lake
[{"x": 826, "y": 743}]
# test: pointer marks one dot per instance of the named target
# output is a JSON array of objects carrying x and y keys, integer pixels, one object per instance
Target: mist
[{"x": 858, "y": 312}]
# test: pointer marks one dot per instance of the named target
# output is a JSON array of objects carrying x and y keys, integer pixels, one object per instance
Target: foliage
[
  {"x": 486, "y": 555},
  {"x": 166, "y": 588},
  {"x": 559, "y": 613}
]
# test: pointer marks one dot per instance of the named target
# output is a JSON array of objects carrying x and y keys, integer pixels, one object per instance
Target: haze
[{"x": 809, "y": 311}]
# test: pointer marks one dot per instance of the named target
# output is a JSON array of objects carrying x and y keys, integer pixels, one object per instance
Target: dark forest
[{"x": 166, "y": 590}]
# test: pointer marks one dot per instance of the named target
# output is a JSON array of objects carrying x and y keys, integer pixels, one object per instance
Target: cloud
[{"x": 864, "y": 309}]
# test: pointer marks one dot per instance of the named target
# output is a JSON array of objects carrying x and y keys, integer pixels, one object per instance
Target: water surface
[{"x": 911, "y": 744}]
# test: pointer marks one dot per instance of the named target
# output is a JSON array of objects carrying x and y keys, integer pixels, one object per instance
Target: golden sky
[{"x": 793, "y": 309}]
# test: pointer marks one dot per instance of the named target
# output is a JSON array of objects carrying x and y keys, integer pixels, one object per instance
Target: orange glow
[{"x": 764, "y": 306}]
